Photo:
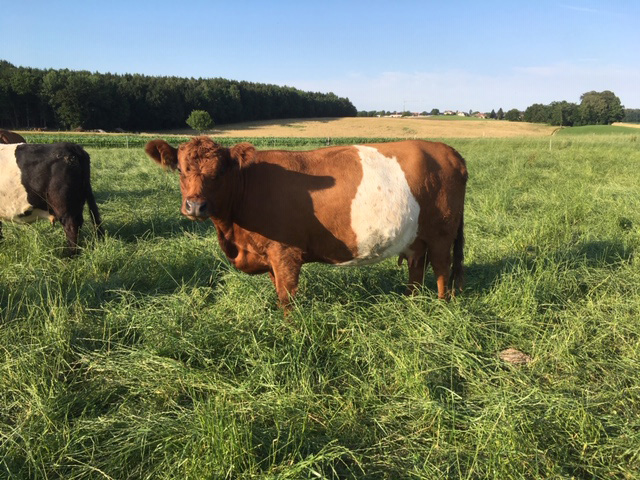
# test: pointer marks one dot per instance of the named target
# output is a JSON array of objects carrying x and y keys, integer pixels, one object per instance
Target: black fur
[{"x": 57, "y": 179}]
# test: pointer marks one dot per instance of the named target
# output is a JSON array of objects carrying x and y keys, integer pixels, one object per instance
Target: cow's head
[{"x": 205, "y": 169}]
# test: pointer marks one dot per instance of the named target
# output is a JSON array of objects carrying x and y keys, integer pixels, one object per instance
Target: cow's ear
[
  {"x": 162, "y": 153},
  {"x": 242, "y": 153}
]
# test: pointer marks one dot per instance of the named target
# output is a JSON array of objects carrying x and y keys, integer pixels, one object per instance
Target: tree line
[
  {"x": 595, "y": 108},
  {"x": 67, "y": 99}
]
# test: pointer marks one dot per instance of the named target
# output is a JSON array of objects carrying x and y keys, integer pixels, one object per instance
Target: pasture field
[
  {"x": 598, "y": 130},
  {"x": 149, "y": 357}
]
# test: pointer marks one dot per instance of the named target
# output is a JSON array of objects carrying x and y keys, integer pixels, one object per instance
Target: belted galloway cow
[
  {"x": 348, "y": 205},
  {"x": 47, "y": 181}
]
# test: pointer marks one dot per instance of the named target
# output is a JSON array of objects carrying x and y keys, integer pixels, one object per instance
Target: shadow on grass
[
  {"x": 103, "y": 196},
  {"x": 157, "y": 226},
  {"x": 481, "y": 277}
]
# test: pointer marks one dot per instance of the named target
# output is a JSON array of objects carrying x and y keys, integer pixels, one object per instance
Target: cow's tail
[
  {"x": 88, "y": 193},
  {"x": 93, "y": 208},
  {"x": 457, "y": 273}
]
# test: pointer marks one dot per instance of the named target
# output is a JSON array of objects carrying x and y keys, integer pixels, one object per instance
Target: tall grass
[{"x": 149, "y": 357}]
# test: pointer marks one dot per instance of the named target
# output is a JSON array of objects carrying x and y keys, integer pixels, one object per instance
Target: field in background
[
  {"x": 338, "y": 130},
  {"x": 437, "y": 127},
  {"x": 427, "y": 127},
  {"x": 150, "y": 357},
  {"x": 599, "y": 130}
]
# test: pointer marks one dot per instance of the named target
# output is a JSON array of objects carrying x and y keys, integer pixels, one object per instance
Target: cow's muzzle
[{"x": 196, "y": 209}]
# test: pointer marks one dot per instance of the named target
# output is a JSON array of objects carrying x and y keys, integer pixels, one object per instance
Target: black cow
[{"x": 47, "y": 181}]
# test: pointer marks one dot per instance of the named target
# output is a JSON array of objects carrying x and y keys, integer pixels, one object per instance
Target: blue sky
[{"x": 392, "y": 55}]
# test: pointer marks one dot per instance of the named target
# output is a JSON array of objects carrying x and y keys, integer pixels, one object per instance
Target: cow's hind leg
[
  {"x": 440, "y": 257},
  {"x": 1, "y": 235}
]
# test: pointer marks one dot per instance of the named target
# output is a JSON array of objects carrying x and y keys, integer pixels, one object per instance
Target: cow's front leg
[
  {"x": 1, "y": 236},
  {"x": 285, "y": 273},
  {"x": 417, "y": 259},
  {"x": 416, "y": 273},
  {"x": 71, "y": 228}
]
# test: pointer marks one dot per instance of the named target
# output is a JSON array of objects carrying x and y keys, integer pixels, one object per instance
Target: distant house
[
  {"x": 462, "y": 114},
  {"x": 449, "y": 112},
  {"x": 480, "y": 115}
]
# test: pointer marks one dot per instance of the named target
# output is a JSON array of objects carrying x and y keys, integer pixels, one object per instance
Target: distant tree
[
  {"x": 513, "y": 115},
  {"x": 563, "y": 113},
  {"x": 493, "y": 114},
  {"x": 537, "y": 113},
  {"x": 600, "y": 108},
  {"x": 500, "y": 114},
  {"x": 631, "y": 115},
  {"x": 200, "y": 120},
  {"x": 435, "y": 111}
]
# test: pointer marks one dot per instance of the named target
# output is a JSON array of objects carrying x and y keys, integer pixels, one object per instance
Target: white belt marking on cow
[
  {"x": 13, "y": 196},
  {"x": 384, "y": 212}
]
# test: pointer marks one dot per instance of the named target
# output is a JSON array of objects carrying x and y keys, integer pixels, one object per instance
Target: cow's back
[
  {"x": 356, "y": 204},
  {"x": 56, "y": 168},
  {"x": 37, "y": 176}
]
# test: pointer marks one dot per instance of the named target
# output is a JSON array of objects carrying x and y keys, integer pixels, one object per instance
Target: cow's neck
[
  {"x": 225, "y": 214},
  {"x": 227, "y": 197}
]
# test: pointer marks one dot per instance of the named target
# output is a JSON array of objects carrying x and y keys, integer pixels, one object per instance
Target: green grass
[
  {"x": 149, "y": 357},
  {"x": 599, "y": 130},
  {"x": 139, "y": 141}
]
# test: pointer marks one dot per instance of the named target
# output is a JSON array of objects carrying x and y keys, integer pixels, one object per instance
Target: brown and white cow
[
  {"x": 7, "y": 137},
  {"x": 47, "y": 181},
  {"x": 355, "y": 205}
]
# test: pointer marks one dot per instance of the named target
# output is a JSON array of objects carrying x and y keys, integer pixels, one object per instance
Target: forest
[{"x": 32, "y": 98}]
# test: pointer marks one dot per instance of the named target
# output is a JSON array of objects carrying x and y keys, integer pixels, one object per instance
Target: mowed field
[
  {"x": 149, "y": 357},
  {"x": 425, "y": 127}
]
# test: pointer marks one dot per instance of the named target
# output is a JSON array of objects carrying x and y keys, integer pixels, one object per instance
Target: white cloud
[{"x": 581, "y": 9}]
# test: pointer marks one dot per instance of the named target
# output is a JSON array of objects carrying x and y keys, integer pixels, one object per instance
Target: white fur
[
  {"x": 13, "y": 196},
  {"x": 384, "y": 212},
  {"x": 34, "y": 215}
]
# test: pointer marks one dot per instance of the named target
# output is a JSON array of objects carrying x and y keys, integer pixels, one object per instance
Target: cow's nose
[{"x": 196, "y": 209}]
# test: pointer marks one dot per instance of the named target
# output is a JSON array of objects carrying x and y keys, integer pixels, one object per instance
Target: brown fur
[
  {"x": 7, "y": 136},
  {"x": 276, "y": 210}
]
